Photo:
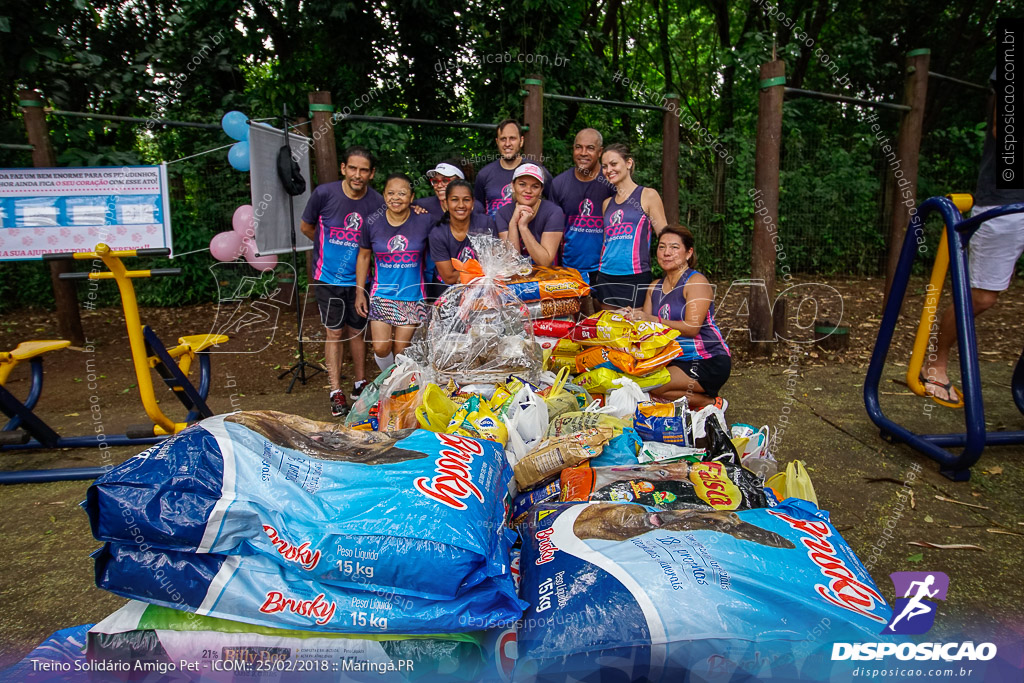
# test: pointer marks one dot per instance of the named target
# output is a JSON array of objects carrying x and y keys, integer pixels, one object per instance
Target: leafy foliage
[{"x": 452, "y": 61}]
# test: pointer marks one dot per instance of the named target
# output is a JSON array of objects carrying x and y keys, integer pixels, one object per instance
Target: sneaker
[
  {"x": 357, "y": 389},
  {"x": 339, "y": 406},
  {"x": 721, "y": 403}
]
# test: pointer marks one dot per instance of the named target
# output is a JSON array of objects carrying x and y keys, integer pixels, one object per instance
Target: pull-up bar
[
  {"x": 932, "y": 74},
  {"x": 9, "y": 145},
  {"x": 613, "y": 103},
  {"x": 815, "y": 95},
  {"x": 422, "y": 122},
  {"x": 132, "y": 119}
]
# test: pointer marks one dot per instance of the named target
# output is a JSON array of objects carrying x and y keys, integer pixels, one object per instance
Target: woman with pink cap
[{"x": 531, "y": 224}]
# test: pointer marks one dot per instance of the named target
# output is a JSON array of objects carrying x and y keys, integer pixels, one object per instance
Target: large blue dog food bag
[
  {"x": 255, "y": 590},
  {"x": 619, "y": 589},
  {"x": 414, "y": 512}
]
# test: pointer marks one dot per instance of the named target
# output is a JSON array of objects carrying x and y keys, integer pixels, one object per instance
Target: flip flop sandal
[{"x": 948, "y": 388}]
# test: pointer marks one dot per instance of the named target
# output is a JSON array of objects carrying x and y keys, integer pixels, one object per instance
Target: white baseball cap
[
  {"x": 532, "y": 170},
  {"x": 446, "y": 170}
]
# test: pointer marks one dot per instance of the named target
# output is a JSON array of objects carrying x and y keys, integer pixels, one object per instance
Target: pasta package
[
  {"x": 569, "y": 423},
  {"x": 553, "y": 328},
  {"x": 554, "y": 455}
]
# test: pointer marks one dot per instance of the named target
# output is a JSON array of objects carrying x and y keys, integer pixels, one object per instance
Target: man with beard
[
  {"x": 493, "y": 184},
  {"x": 333, "y": 219}
]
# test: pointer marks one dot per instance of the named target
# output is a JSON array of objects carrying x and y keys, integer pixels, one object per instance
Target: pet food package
[
  {"x": 608, "y": 328},
  {"x": 359, "y": 509},
  {"x": 665, "y": 595},
  {"x": 233, "y": 652},
  {"x": 255, "y": 590},
  {"x": 675, "y": 486},
  {"x": 546, "y": 282}
]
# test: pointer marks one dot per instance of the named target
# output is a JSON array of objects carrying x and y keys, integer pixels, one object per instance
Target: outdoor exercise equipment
[
  {"x": 957, "y": 233},
  {"x": 27, "y": 430}
]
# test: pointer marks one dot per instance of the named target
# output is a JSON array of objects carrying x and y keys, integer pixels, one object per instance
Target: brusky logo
[
  {"x": 586, "y": 208},
  {"x": 914, "y": 612},
  {"x": 354, "y": 221},
  {"x": 398, "y": 243}
]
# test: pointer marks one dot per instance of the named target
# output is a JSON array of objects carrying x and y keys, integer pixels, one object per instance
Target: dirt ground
[{"x": 46, "y": 579}]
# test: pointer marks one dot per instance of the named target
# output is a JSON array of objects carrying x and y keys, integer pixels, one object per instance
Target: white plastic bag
[
  {"x": 622, "y": 402},
  {"x": 527, "y": 417}
]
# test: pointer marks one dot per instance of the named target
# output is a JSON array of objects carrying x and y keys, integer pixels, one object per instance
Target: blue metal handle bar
[
  {"x": 968, "y": 226},
  {"x": 957, "y": 467}
]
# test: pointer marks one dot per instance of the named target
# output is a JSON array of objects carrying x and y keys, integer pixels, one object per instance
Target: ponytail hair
[{"x": 686, "y": 237}]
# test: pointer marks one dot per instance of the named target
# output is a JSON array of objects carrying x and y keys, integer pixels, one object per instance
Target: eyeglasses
[{"x": 440, "y": 180}]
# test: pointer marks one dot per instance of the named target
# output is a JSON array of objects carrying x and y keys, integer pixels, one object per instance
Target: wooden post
[
  {"x": 325, "y": 151},
  {"x": 670, "y": 159},
  {"x": 533, "y": 117},
  {"x": 69, "y": 319},
  {"x": 766, "y": 187},
  {"x": 904, "y": 166}
]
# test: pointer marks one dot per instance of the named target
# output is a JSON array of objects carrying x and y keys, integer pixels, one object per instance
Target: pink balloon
[
  {"x": 226, "y": 246},
  {"x": 242, "y": 221},
  {"x": 260, "y": 263}
]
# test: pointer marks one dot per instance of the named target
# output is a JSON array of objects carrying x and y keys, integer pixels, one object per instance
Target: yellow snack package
[{"x": 601, "y": 380}]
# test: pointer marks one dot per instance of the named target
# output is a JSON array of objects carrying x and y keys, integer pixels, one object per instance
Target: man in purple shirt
[
  {"x": 493, "y": 184},
  {"x": 333, "y": 219},
  {"x": 580, "y": 191}
]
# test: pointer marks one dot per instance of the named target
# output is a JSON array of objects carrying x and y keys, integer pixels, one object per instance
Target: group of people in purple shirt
[{"x": 592, "y": 217}]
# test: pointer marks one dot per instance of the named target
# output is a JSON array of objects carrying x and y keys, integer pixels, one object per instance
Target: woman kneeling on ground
[
  {"x": 683, "y": 300},
  {"x": 396, "y": 242}
]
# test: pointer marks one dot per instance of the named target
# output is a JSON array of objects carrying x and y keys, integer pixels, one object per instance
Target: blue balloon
[
  {"x": 238, "y": 156},
  {"x": 234, "y": 124}
]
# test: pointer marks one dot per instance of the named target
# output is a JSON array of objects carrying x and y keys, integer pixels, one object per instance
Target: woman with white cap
[
  {"x": 439, "y": 177},
  {"x": 531, "y": 224}
]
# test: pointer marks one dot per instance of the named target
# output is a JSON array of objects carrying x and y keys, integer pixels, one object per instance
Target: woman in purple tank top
[
  {"x": 684, "y": 300},
  {"x": 624, "y": 272}
]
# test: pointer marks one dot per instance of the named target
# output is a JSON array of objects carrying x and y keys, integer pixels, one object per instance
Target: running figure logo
[
  {"x": 915, "y": 608},
  {"x": 616, "y": 217},
  {"x": 353, "y": 221},
  {"x": 586, "y": 207},
  {"x": 398, "y": 243}
]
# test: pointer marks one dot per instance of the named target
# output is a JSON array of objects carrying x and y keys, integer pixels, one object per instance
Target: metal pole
[
  {"x": 606, "y": 103},
  {"x": 133, "y": 119},
  {"x": 815, "y": 95}
]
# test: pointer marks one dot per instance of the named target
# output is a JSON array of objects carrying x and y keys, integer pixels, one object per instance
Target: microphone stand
[{"x": 298, "y": 370}]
